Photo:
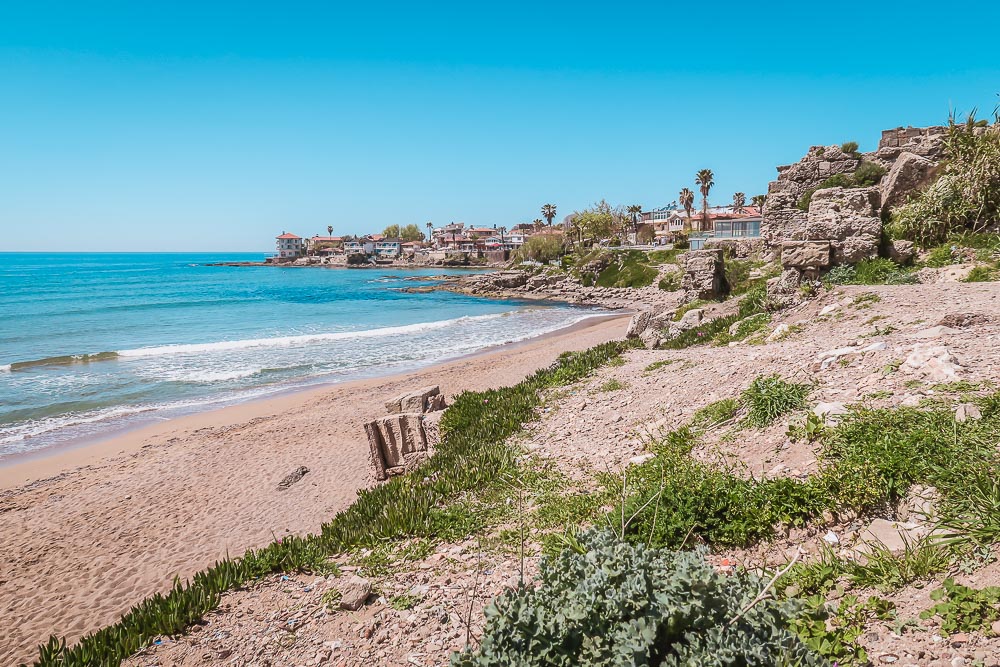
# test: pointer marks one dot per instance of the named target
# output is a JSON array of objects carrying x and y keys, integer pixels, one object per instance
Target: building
[
  {"x": 666, "y": 223},
  {"x": 361, "y": 246},
  {"x": 289, "y": 246},
  {"x": 388, "y": 248}
]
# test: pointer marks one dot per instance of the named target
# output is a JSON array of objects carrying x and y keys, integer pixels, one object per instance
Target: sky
[{"x": 214, "y": 126}]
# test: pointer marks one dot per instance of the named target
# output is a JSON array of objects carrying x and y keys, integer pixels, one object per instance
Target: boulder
[
  {"x": 967, "y": 411},
  {"x": 848, "y": 218},
  {"x": 902, "y": 252},
  {"x": 779, "y": 332},
  {"x": 932, "y": 361},
  {"x": 805, "y": 254},
  {"x": 704, "y": 275},
  {"x": 891, "y": 535},
  {"x": 691, "y": 319},
  {"x": 908, "y": 174},
  {"x": 638, "y": 324},
  {"x": 354, "y": 592},
  {"x": 416, "y": 401}
]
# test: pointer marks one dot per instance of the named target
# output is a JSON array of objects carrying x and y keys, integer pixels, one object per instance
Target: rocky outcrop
[
  {"x": 850, "y": 218},
  {"x": 908, "y": 174},
  {"x": 400, "y": 441},
  {"x": 847, "y": 218},
  {"x": 806, "y": 255},
  {"x": 704, "y": 276}
]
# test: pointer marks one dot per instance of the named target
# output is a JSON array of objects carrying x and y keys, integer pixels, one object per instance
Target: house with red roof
[{"x": 289, "y": 246}]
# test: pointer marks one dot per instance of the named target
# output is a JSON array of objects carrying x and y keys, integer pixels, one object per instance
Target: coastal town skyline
[{"x": 206, "y": 129}]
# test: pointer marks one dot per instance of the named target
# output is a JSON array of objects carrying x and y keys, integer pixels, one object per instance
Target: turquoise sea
[{"x": 91, "y": 343}]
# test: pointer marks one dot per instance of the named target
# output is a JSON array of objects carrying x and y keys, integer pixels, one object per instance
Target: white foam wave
[
  {"x": 303, "y": 339},
  {"x": 5, "y": 368},
  {"x": 203, "y": 376}
]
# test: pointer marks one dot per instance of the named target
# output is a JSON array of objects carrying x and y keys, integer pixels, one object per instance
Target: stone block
[{"x": 805, "y": 254}]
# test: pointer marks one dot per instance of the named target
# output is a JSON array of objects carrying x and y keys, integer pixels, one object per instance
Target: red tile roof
[{"x": 286, "y": 235}]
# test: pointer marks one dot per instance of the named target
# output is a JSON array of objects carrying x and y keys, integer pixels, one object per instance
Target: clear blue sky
[{"x": 214, "y": 126}]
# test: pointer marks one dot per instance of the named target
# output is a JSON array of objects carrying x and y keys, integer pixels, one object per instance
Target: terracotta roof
[{"x": 286, "y": 235}]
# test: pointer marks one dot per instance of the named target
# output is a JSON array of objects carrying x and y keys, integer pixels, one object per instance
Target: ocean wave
[
  {"x": 197, "y": 376},
  {"x": 301, "y": 339}
]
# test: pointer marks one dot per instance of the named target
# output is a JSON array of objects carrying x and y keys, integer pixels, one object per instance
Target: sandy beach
[{"x": 89, "y": 531}]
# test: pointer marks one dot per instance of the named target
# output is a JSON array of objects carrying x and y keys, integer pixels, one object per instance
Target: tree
[
  {"x": 758, "y": 201},
  {"x": 739, "y": 202},
  {"x": 537, "y": 224},
  {"x": 329, "y": 230},
  {"x": 596, "y": 222},
  {"x": 411, "y": 233},
  {"x": 549, "y": 212},
  {"x": 541, "y": 248},
  {"x": 704, "y": 179},
  {"x": 430, "y": 231},
  {"x": 391, "y": 232},
  {"x": 634, "y": 211},
  {"x": 687, "y": 201}
]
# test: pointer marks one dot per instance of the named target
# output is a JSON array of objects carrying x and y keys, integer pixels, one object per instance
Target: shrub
[
  {"x": 768, "y": 398},
  {"x": 983, "y": 274},
  {"x": 879, "y": 271},
  {"x": 966, "y": 197},
  {"x": 849, "y": 147},
  {"x": 608, "y": 603},
  {"x": 542, "y": 248},
  {"x": 627, "y": 269}
]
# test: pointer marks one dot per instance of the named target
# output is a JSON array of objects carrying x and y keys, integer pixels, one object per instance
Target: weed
[
  {"x": 657, "y": 365},
  {"x": 768, "y": 398},
  {"x": 888, "y": 572},
  {"x": 716, "y": 413},
  {"x": 964, "y": 609},
  {"x": 865, "y": 300},
  {"x": 404, "y": 601},
  {"x": 611, "y": 385},
  {"x": 983, "y": 274}
]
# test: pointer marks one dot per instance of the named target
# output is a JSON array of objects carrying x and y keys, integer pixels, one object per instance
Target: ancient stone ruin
[
  {"x": 704, "y": 275},
  {"x": 810, "y": 225},
  {"x": 405, "y": 437}
]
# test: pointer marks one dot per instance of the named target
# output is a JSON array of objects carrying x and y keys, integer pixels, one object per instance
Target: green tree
[
  {"x": 411, "y": 233},
  {"x": 596, "y": 222},
  {"x": 537, "y": 224},
  {"x": 549, "y": 212},
  {"x": 739, "y": 202},
  {"x": 758, "y": 201},
  {"x": 634, "y": 211},
  {"x": 541, "y": 248},
  {"x": 329, "y": 230},
  {"x": 704, "y": 179},
  {"x": 391, "y": 232},
  {"x": 687, "y": 201}
]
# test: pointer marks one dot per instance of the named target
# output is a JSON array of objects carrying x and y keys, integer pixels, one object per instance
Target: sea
[{"x": 94, "y": 343}]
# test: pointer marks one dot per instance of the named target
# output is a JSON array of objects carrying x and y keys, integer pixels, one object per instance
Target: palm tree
[
  {"x": 549, "y": 212},
  {"x": 329, "y": 230},
  {"x": 758, "y": 201},
  {"x": 704, "y": 179},
  {"x": 739, "y": 202},
  {"x": 634, "y": 210},
  {"x": 537, "y": 224},
  {"x": 430, "y": 231},
  {"x": 687, "y": 201}
]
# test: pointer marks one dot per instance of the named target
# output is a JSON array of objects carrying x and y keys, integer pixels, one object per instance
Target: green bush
[
  {"x": 849, "y": 147},
  {"x": 607, "y": 603},
  {"x": 966, "y": 196},
  {"x": 627, "y": 269},
  {"x": 542, "y": 248},
  {"x": 879, "y": 271},
  {"x": 768, "y": 398},
  {"x": 983, "y": 274}
]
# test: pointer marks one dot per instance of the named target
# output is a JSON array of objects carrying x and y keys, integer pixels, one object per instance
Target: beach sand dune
[{"x": 86, "y": 533}]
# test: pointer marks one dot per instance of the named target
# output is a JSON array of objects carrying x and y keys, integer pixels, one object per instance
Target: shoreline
[
  {"x": 54, "y": 460},
  {"x": 91, "y": 531}
]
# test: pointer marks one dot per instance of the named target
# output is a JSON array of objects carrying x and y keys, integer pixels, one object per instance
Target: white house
[
  {"x": 289, "y": 245},
  {"x": 359, "y": 247},
  {"x": 388, "y": 248}
]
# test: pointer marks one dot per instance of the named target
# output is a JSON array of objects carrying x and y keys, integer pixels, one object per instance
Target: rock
[
  {"x": 919, "y": 504},
  {"x": 813, "y": 255},
  {"x": 831, "y": 356},
  {"x": 963, "y": 320},
  {"x": 829, "y": 309},
  {"x": 959, "y": 639},
  {"x": 902, "y": 252},
  {"x": 354, "y": 592},
  {"x": 831, "y": 538},
  {"x": 830, "y": 411},
  {"x": 891, "y": 535},
  {"x": 848, "y": 218},
  {"x": 650, "y": 338},
  {"x": 292, "y": 477},
  {"x": 691, "y": 319},
  {"x": 638, "y": 324},
  {"x": 704, "y": 275},
  {"x": 779, "y": 332},
  {"x": 934, "y": 362},
  {"x": 967, "y": 411},
  {"x": 908, "y": 174},
  {"x": 935, "y": 332}
]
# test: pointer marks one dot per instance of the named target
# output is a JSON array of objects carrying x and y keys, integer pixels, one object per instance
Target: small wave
[
  {"x": 63, "y": 360},
  {"x": 208, "y": 377},
  {"x": 5, "y": 368},
  {"x": 303, "y": 339}
]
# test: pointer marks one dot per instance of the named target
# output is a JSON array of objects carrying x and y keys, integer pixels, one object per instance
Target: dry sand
[{"x": 88, "y": 532}]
